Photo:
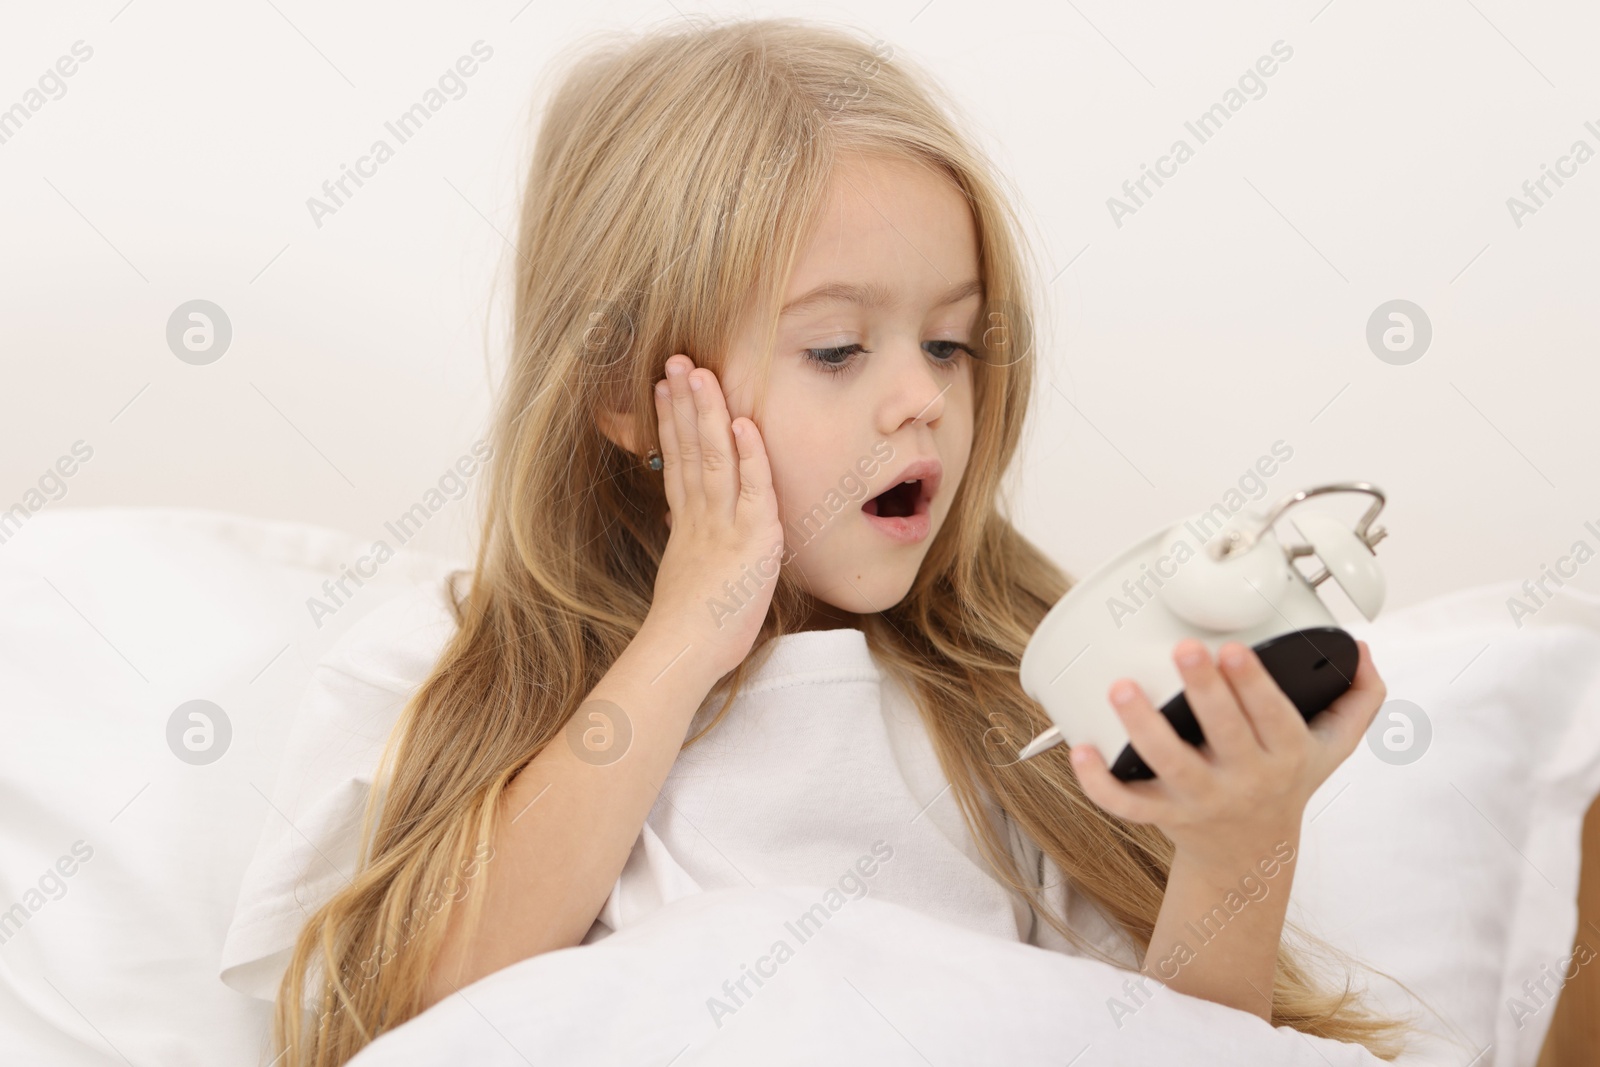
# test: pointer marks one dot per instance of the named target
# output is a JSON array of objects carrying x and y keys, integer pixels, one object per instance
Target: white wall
[{"x": 1227, "y": 313}]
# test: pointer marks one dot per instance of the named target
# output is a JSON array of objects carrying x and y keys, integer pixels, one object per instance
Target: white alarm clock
[{"x": 1216, "y": 581}]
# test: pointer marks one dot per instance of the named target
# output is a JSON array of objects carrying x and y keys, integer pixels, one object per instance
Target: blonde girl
[{"x": 763, "y": 281}]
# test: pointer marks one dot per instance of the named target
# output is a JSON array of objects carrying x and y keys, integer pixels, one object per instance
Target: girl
[{"x": 772, "y": 353}]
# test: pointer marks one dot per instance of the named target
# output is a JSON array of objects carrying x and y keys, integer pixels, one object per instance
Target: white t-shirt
[{"x": 821, "y": 757}]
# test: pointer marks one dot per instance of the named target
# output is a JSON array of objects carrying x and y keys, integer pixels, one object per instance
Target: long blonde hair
[{"x": 674, "y": 179}]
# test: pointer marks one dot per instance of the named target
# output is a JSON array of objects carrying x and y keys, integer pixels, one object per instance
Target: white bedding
[
  {"x": 874, "y": 982},
  {"x": 1457, "y": 873}
]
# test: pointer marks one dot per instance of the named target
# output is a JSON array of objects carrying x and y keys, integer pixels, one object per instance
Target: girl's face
[{"x": 871, "y": 375}]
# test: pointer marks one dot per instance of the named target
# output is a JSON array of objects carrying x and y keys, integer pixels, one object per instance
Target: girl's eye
[
  {"x": 948, "y": 349},
  {"x": 834, "y": 360},
  {"x": 839, "y": 360}
]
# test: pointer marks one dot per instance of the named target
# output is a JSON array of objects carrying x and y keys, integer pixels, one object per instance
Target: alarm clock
[{"x": 1215, "y": 579}]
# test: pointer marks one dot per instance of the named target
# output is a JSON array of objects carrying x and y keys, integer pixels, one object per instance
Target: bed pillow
[
  {"x": 120, "y": 858},
  {"x": 1445, "y": 850},
  {"x": 344, "y": 716}
]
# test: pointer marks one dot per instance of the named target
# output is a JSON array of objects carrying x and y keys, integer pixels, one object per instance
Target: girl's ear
[{"x": 619, "y": 427}]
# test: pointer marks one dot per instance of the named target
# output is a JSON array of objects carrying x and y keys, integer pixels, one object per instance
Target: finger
[
  {"x": 755, "y": 474},
  {"x": 1158, "y": 744},
  {"x": 1346, "y": 720},
  {"x": 1277, "y": 721},
  {"x": 671, "y": 464},
  {"x": 1131, "y": 801},
  {"x": 720, "y": 478},
  {"x": 1227, "y": 730},
  {"x": 685, "y": 431}
]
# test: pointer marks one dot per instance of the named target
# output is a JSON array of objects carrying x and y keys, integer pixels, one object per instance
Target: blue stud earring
[{"x": 653, "y": 459}]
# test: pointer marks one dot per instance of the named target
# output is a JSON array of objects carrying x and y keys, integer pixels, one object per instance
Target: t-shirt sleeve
[{"x": 309, "y": 845}]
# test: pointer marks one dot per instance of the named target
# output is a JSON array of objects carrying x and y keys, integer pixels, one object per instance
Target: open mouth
[
  {"x": 898, "y": 501},
  {"x": 902, "y": 512}
]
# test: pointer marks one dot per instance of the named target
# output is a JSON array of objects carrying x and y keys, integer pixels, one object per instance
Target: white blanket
[{"x": 870, "y": 982}]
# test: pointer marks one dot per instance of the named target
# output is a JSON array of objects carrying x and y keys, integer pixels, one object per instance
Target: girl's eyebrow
[{"x": 870, "y": 295}]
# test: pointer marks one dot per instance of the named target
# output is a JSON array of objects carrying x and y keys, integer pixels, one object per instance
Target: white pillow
[
  {"x": 120, "y": 863},
  {"x": 344, "y": 716},
  {"x": 1458, "y": 872}
]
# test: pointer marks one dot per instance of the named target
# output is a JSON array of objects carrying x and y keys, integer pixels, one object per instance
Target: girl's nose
[{"x": 917, "y": 390}]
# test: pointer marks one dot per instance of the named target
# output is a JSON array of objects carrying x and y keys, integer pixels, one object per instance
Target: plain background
[{"x": 1227, "y": 313}]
